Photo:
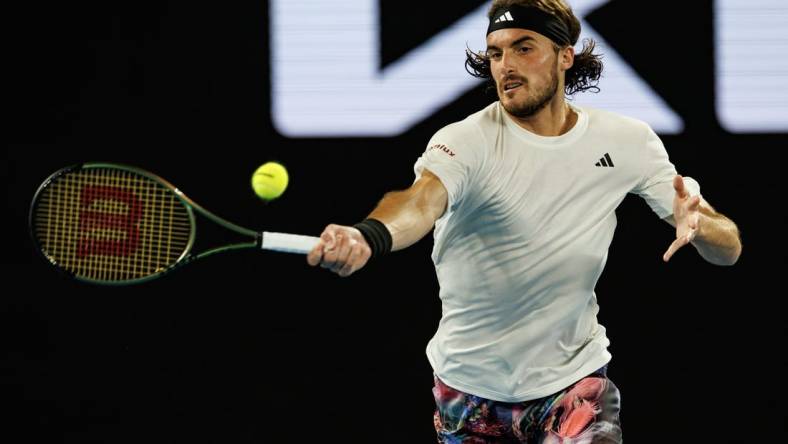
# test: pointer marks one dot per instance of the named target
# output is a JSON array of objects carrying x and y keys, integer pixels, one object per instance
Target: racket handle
[{"x": 288, "y": 243}]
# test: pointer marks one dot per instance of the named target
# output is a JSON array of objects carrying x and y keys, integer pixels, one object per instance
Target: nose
[{"x": 506, "y": 66}]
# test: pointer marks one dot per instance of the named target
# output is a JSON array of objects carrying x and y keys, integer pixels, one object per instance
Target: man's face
[{"x": 525, "y": 68}]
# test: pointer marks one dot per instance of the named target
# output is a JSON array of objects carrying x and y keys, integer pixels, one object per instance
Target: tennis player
[{"x": 522, "y": 197}]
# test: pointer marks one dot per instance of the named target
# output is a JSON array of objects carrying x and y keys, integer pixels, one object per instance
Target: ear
[{"x": 566, "y": 58}]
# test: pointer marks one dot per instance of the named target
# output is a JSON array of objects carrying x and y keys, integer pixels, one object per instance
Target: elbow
[
  {"x": 723, "y": 255},
  {"x": 736, "y": 253},
  {"x": 729, "y": 251},
  {"x": 727, "y": 262},
  {"x": 736, "y": 248},
  {"x": 731, "y": 257},
  {"x": 722, "y": 261}
]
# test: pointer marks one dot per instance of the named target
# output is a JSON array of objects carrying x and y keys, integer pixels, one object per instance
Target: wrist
[
  {"x": 702, "y": 234},
  {"x": 377, "y": 236}
]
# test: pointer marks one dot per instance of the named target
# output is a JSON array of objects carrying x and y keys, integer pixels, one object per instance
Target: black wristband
[{"x": 377, "y": 236}]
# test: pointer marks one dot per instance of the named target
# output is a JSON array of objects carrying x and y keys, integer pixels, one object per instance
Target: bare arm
[
  {"x": 714, "y": 236},
  {"x": 408, "y": 215}
]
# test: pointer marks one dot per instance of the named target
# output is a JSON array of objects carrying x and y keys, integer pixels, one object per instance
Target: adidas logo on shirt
[
  {"x": 505, "y": 18},
  {"x": 605, "y": 161}
]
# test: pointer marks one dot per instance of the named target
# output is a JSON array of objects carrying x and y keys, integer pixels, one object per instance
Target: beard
[{"x": 532, "y": 106}]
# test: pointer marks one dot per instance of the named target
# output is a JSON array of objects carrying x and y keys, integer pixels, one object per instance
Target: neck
[{"x": 555, "y": 119}]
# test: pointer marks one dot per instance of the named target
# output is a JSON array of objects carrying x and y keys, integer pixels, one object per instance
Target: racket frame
[{"x": 185, "y": 258}]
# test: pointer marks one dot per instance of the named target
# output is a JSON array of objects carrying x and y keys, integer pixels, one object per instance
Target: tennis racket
[{"x": 112, "y": 224}]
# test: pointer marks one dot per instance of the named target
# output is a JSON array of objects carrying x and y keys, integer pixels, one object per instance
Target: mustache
[{"x": 509, "y": 78}]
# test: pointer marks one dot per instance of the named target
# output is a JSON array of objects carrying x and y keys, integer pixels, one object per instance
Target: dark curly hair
[{"x": 587, "y": 68}]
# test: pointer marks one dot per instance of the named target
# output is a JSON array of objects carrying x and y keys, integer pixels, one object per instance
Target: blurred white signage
[
  {"x": 751, "y": 64},
  {"x": 326, "y": 79}
]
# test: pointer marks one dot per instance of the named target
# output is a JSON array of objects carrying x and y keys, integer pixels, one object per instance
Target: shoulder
[
  {"x": 617, "y": 125},
  {"x": 471, "y": 131}
]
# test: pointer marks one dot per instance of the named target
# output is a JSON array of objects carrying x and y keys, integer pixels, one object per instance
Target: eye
[
  {"x": 523, "y": 49},
  {"x": 493, "y": 55}
]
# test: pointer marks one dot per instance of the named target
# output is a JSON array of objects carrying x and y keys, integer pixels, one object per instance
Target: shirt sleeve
[
  {"x": 454, "y": 155},
  {"x": 656, "y": 186}
]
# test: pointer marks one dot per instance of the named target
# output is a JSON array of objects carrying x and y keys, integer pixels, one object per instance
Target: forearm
[
  {"x": 407, "y": 215},
  {"x": 717, "y": 240}
]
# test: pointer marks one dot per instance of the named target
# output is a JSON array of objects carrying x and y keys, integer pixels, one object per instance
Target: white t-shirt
[{"x": 524, "y": 240}]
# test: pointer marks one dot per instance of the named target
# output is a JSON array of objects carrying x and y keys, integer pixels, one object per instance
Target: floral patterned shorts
[{"x": 587, "y": 412}]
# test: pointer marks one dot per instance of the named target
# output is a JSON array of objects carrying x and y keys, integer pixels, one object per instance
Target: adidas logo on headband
[
  {"x": 505, "y": 18},
  {"x": 533, "y": 19}
]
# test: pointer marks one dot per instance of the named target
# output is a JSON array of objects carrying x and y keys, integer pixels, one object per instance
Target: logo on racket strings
[{"x": 94, "y": 224}]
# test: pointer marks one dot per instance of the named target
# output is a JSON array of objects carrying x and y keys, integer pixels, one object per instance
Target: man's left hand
[{"x": 686, "y": 216}]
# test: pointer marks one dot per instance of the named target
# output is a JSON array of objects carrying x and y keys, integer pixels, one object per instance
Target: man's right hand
[{"x": 341, "y": 249}]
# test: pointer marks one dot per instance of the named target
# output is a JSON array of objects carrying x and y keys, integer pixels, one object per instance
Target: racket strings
[{"x": 111, "y": 225}]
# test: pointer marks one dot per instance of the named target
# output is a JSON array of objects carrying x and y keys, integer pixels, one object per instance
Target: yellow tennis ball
[{"x": 270, "y": 180}]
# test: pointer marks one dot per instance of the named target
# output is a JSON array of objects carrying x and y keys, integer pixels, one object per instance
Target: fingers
[
  {"x": 336, "y": 256},
  {"x": 672, "y": 249},
  {"x": 349, "y": 267},
  {"x": 677, "y": 244},
  {"x": 316, "y": 254},
  {"x": 327, "y": 240},
  {"x": 359, "y": 255},
  {"x": 678, "y": 185},
  {"x": 694, "y": 203},
  {"x": 341, "y": 250}
]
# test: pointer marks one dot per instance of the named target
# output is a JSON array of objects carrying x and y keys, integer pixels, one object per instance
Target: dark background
[{"x": 252, "y": 347}]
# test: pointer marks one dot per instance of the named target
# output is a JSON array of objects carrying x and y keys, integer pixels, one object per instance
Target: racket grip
[{"x": 288, "y": 243}]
